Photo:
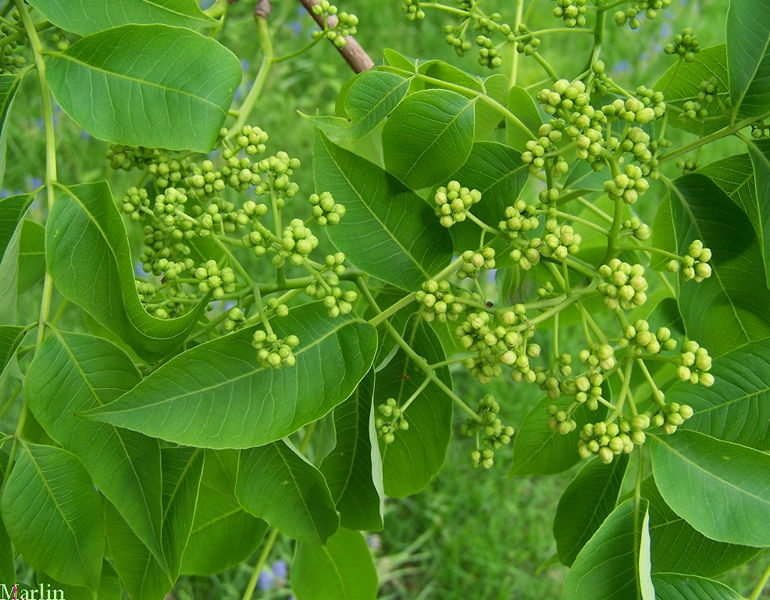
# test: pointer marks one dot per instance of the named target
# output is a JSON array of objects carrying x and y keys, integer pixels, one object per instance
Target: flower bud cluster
[
  {"x": 671, "y": 416},
  {"x": 559, "y": 241},
  {"x": 608, "y": 440},
  {"x": 327, "y": 289},
  {"x": 11, "y": 58},
  {"x": 519, "y": 218},
  {"x": 297, "y": 243},
  {"x": 486, "y": 27},
  {"x": 526, "y": 43},
  {"x": 390, "y": 420},
  {"x": 686, "y": 45},
  {"x": 695, "y": 364},
  {"x": 346, "y": 25},
  {"x": 630, "y": 16},
  {"x": 412, "y": 10},
  {"x": 572, "y": 12},
  {"x": 215, "y": 280},
  {"x": 491, "y": 430},
  {"x": 627, "y": 186},
  {"x": 325, "y": 210},
  {"x": 694, "y": 265},
  {"x": 624, "y": 285},
  {"x": 639, "y": 230},
  {"x": 274, "y": 352},
  {"x": 473, "y": 262},
  {"x": 643, "y": 341},
  {"x": 439, "y": 303},
  {"x": 453, "y": 203}
]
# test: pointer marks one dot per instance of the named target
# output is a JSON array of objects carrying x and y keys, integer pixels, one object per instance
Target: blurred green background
[{"x": 471, "y": 534}]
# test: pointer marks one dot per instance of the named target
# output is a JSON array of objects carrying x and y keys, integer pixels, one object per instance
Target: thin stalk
[
  {"x": 252, "y": 585},
  {"x": 515, "y": 58},
  {"x": 266, "y": 43},
  {"x": 757, "y": 592}
]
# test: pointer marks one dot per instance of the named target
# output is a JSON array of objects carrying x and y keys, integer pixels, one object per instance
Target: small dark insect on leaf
[
  {"x": 490, "y": 304},
  {"x": 163, "y": 280},
  {"x": 404, "y": 376}
]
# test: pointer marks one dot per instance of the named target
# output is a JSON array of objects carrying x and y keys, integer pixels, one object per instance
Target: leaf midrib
[{"x": 144, "y": 82}]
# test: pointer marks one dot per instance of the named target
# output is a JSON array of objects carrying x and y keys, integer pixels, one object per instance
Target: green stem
[
  {"x": 269, "y": 542},
  {"x": 299, "y": 51},
  {"x": 418, "y": 360},
  {"x": 515, "y": 58},
  {"x": 586, "y": 222},
  {"x": 612, "y": 238},
  {"x": 266, "y": 44},
  {"x": 595, "y": 209},
  {"x": 757, "y": 592},
  {"x": 546, "y": 67},
  {"x": 724, "y": 132}
]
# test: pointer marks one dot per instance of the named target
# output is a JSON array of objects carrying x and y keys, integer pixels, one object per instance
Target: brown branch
[
  {"x": 263, "y": 9},
  {"x": 352, "y": 52}
]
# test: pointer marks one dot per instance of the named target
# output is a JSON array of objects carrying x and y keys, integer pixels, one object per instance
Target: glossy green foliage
[
  {"x": 87, "y": 16},
  {"x": 112, "y": 84},
  {"x": 748, "y": 54},
  {"x": 215, "y": 395}
]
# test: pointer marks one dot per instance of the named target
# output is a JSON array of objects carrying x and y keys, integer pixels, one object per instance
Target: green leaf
[
  {"x": 369, "y": 99},
  {"x": 90, "y": 260},
  {"x": 498, "y": 172},
  {"x": 735, "y": 176},
  {"x": 217, "y": 395},
  {"x": 147, "y": 85},
  {"x": 748, "y": 57},
  {"x": 12, "y": 210},
  {"x": 7, "y": 562},
  {"x": 141, "y": 574},
  {"x": 663, "y": 234},
  {"x": 340, "y": 570},
  {"x": 737, "y": 407},
  {"x": 353, "y": 469},
  {"x": 10, "y": 338},
  {"x": 387, "y": 231},
  {"x": 612, "y": 564},
  {"x": 677, "y": 547},
  {"x": 666, "y": 314},
  {"x": 539, "y": 450},
  {"x": 728, "y": 481},
  {"x": 31, "y": 254},
  {"x": 72, "y": 373},
  {"x": 109, "y": 586},
  {"x": 276, "y": 483},
  {"x": 8, "y": 86},
  {"x": 223, "y": 534},
  {"x": 760, "y": 158},
  {"x": 588, "y": 500},
  {"x": 417, "y": 454},
  {"x": 54, "y": 516},
  {"x": 681, "y": 83},
  {"x": 87, "y": 16},
  {"x": 488, "y": 117},
  {"x": 730, "y": 308},
  {"x": 521, "y": 104},
  {"x": 673, "y": 586},
  {"x": 428, "y": 137}
]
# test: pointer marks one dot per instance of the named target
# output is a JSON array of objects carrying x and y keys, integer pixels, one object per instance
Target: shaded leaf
[
  {"x": 10, "y": 338},
  {"x": 387, "y": 230},
  {"x": 428, "y": 137},
  {"x": 54, "y": 516},
  {"x": 8, "y": 86},
  {"x": 730, "y": 308},
  {"x": 370, "y": 98},
  {"x": 142, "y": 575},
  {"x": 610, "y": 565},
  {"x": 218, "y": 395},
  {"x": 737, "y": 407},
  {"x": 748, "y": 57},
  {"x": 681, "y": 83},
  {"x": 521, "y": 104},
  {"x": 588, "y": 500},
  {"x": 340, "y": 570},
  {"x": 678, "y": 548},
  {"x": 672, "y": 586},
  {"x": 498, "y": 172},
  {"x": 719, "y": 488},
  {"x": 276, "y": 483},
  {"x": 353, "y": 469},
  {"x": 735, "y": 176},
  {"x": 223, "y": 534},
  {"x": 539, "y": 450},
  {"x": 71, "y": 373},
  {"x": 147, "y": 85},
  {"x": 760, "y": 158},
  {"x": 31, "y": 254},
  {"x": 417, "y": 454}
]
